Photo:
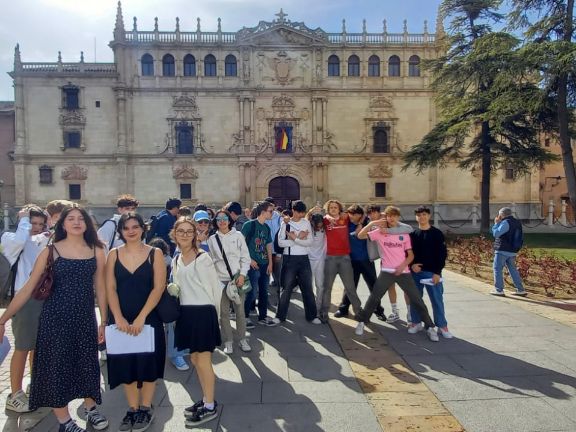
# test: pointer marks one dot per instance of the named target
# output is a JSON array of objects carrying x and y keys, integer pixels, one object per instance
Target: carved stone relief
[
  {"x": 72, "y": 118},
  {"x": 74, "y": 172},
  {"x": 181, "y": 172},
  {"x": 380, "y": 171}
]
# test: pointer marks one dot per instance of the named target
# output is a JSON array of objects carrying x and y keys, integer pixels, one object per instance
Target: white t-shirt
[{"x": 317, "y": 250}]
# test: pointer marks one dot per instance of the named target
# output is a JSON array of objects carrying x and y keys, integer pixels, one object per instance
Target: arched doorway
[{"x": 284, "y": 190}]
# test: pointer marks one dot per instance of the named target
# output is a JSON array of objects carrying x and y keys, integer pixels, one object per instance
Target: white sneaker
[
  {"x": 228, "y": 348},
  {"x": 316, "y": 321},
  {"x": 393, "y": 317},
  {"x": 359, "y": 329},
  {"x": 415, "y": 328},
  {"x": 445, "y": 333},
  {"x": 244, "y": 345},
  {"x": 432, "y": 334},
  {"x": 17, "y": 402}
]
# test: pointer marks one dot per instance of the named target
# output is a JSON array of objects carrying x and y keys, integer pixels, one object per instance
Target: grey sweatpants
[
  {"x": 342, "y": 266},
  {"x": 386, "y": 280}
]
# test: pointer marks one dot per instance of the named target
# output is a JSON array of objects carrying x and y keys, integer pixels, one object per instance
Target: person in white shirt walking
[
  {"x": 23, "y": 247},
  {"x": 296, "y": 237}
]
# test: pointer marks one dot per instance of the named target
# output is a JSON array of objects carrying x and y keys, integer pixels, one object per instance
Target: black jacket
[
  {"x": 504, "y": 242},
  {"x": 429, "y": 249}
]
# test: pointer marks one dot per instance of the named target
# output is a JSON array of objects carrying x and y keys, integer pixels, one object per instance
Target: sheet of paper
[
  {"x": 429, "y": 281},
  {"x": 118, "y": 342},
  {"x": 4, "y": 349}
]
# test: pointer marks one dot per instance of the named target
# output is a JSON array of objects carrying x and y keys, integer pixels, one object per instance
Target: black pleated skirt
[{"x": 197, "y": 329}]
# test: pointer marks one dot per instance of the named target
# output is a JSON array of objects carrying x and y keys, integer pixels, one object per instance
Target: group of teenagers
[{"x": 219, "y": 263}]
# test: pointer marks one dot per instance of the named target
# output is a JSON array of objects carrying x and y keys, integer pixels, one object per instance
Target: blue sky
[{"x": 44, "y": 27}]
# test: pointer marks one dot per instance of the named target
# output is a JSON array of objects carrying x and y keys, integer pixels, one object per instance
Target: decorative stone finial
[
  {"x": 219, "y": 25},
  {"x": 81, "y": 56},
  {"x": 59, "y": 56},
  {"x": 364, "y": 25},
  {"x": 405, "y": 26},
  {"x": 384, "y": 27},
  {"x": 343, "y": 26},
  {"x": 198, "y": 24},
  {"x": 155, "y": 24},
  {"x": 177, "y": 24},
  {"x": 425, "y": 26},
  {"x": 119, "y": 26},
  {"x": 17, "y": 59},
  {"x": 281, "y": 16},
  {"x": 135, "y": 25},
  {"x": 440, "y": 24}
]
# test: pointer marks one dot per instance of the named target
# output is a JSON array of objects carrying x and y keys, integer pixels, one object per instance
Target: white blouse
[{"x": 198, "y": 282}]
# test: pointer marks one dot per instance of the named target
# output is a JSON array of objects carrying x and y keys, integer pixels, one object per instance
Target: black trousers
[
  {"x": 296, "y": 270},
  {"x": 368, "y": 272}
]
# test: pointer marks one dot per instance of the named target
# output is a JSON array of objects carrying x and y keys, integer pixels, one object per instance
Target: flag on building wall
[{"x": 283, "y": 139}]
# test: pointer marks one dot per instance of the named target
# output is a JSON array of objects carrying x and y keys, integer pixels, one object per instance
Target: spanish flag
[{"x": 283, "y": 141}]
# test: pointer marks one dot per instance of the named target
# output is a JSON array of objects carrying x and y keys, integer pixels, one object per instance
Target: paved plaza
[{"x": 511, "y": 367}]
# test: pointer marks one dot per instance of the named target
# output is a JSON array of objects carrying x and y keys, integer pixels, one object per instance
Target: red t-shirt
[{"x": 337, "y": 236}]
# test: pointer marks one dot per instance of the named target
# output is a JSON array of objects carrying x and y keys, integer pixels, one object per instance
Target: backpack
[
  {"x": 277, "y": 248},
  {"x": 7, "y": 276},
  {"x": 152, "y": 225},
  {"x": 115, "y": 235},
  {"x": 516, "y": 240}
]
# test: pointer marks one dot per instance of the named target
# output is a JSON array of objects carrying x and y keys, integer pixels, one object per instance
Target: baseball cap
[{"x": 201, "y": 215}]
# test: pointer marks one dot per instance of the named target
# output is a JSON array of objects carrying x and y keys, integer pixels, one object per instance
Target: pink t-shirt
[{"x": 392, "y": 249}]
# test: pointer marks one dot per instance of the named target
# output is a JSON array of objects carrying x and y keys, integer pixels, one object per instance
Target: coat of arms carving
[
  {"x": 380, "y": 171},
  {"x": 282, "y": 65},
  {"x": 184, "y": 172},
  {"x": 74, "y": 172}
]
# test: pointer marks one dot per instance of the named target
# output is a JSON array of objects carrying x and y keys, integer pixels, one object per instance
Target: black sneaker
[
  {"x": 381, "y": 315},
  {"x": 192, "y": 409},
  {"x": 127, "y": 422},
  {"x": 201, "y": 416},
  {"x": 70, "y": 426},
  {"x": 142, "y": 420},
  {"x": 340, "y": 313},
  {"x": 94, "y": 418}
]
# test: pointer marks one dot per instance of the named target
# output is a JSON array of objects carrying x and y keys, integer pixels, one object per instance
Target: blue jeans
[
  {"x": 501, "y": 260},
  {"x": 436, "y": 295},
  {"x": 259, "y": 280},
  {"x": 171, "y": 350}
]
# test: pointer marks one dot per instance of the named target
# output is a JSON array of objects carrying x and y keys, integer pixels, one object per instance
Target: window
[
  {"x": 414, "y": 66},
  {"x": 353, "y": 66},
  {"x": 184, "y": 139},
  {"x": 189, "y": 65},
  {"x": 72, "y": 139},
  {"x": 185, "y": 191},
  {"x": 147, "y": 65},
  {"x": 381, "y": 141},
  {"x": 380, "y": 190},
  {"x": 374, "y": 66},
  {"x": 97, "y": 103},
  {"x": 74, "y": 192},
  {"x": 71, "y": 99},
  {"x": 394, "y": 66},
  {"x": 45, "y": 174},
  {"x": 230, "y": 67},
  {"x": 168, "y": 67},
  {"x": 209, "y": 65},
  {"x": 509, "y": 172},
  {"x": 333, "y": 66}
]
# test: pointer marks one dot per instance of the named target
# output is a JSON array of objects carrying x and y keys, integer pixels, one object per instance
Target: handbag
[
  {"x": 168, "y": 308},
  {"x": 43, "y": 288},
  {"x": 244, "y": 288}
]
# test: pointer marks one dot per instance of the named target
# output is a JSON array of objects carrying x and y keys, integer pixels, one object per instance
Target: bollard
[
  {"x": 6, "y": 217},
  {"x": 551, "y": 213},
  {"x": 563, "y": 220},
  {"x": 474, "y": 216},
  {"x": 436, "y": 215}
]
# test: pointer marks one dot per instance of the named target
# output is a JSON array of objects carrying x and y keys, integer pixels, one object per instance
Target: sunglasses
[{"x": 222, "y": 219}]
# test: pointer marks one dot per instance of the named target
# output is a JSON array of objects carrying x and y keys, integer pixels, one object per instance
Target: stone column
[
  {"x": 313, "y": 120},
  {"x": 20, "y": 148},
  {"x": 242, "y": 184},
  {"x": 252, "y": 183}
]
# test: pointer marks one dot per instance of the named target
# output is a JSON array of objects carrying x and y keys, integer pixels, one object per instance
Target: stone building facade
[
  {"x": 277, "y": 109},
  {"x": 7, "y": 139}
]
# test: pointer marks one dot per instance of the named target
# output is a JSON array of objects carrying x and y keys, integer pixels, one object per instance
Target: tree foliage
[{"x": 491, "y": 111}]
